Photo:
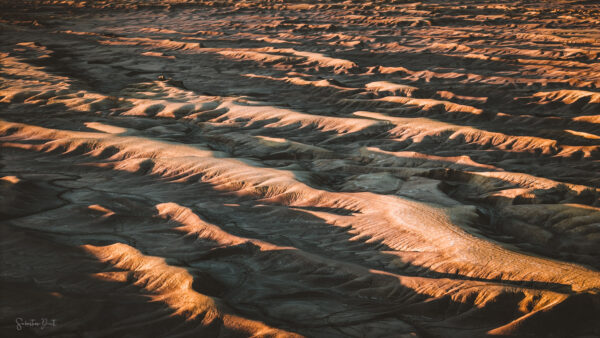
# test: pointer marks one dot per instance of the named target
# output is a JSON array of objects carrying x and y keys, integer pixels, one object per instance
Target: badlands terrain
[{"x": 299, "y": 168}]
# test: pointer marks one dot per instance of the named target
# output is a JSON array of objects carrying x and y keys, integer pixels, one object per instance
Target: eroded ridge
[{"x": 320, "y": 169}]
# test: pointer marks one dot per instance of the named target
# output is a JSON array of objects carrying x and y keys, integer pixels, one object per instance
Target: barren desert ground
[{"x": 299, "y": 168}]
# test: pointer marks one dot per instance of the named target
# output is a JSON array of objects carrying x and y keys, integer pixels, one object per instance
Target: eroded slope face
[{"x": 322, "y": 169}]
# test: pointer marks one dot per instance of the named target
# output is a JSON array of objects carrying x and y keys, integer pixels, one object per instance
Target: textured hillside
[{"x": 311, "y": 168}]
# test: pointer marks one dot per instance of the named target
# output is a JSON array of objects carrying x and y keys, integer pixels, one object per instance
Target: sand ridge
[{"x": 318, "y": 168}]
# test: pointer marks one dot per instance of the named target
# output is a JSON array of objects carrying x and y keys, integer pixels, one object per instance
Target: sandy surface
[{"x": 321, "y": 169}]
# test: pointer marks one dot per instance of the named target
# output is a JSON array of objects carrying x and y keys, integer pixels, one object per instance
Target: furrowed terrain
[{"x": 300, "y": 168}]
